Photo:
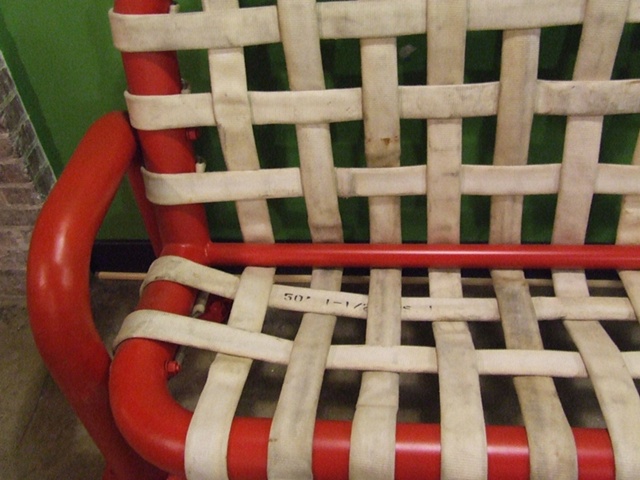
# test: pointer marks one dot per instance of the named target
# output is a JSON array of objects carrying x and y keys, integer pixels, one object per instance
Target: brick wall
[{"x": 25, "y": 180}]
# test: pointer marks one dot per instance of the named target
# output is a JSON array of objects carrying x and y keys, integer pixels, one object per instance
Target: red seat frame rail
[{"x": 125, "y": 404}]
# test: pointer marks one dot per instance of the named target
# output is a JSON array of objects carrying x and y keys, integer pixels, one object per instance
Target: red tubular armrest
[{"x": 58, "y": 286}]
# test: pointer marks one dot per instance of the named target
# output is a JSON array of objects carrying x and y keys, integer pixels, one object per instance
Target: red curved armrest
[{"x": 58, "y": 284}]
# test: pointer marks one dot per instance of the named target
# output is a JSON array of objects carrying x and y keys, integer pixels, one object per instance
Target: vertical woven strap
[
  {"x": 612, "y": 382},
  {"x": 208, "y": 435},
  {"x": 372, "y": 454},
  {"x": 291, "y": 435},
  {"x": 463, "y": 436},
  {"x": 631, "y": 281},
  {"x": 233, "y": 116},
  {"x": 446, "y": 34},
  {"x": 628, "y": 234},
  {"x": 301, "y": 42},
  {"x": 603, "y": 24},
  {"x": 629, "y": 223},
  {"x": 604, "y": 21},
  {"x": 551, "y": 445},
  {"x": 519, "y": 70},
  {"x": 381, "y": 112}
]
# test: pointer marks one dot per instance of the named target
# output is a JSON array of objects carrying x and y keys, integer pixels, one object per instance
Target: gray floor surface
[{"x": 40, "y": 436}]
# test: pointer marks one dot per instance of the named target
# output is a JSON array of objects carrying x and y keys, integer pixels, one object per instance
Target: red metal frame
[
  {"x": 58, "y": 286},
  {"x": 131, "y": 392},
  {"x": 422, "y": 255}
]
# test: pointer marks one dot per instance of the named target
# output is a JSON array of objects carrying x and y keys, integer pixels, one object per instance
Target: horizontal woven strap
[
  {"x": 222, "y": 338},
  {"x": 607, "y": 97},
  {"x": 353, "y": 305},
  {"x": 312, "y": 107},
  {"x": 259, "y": 25},
  {"x": 190, "y": 188},
  {"x": 156, "y": 112}
]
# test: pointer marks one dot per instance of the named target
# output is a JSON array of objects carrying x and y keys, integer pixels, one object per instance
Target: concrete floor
[{"x": 42, "y": 439}]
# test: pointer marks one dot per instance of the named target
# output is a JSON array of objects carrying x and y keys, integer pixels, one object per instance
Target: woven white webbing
[
  {"x": 240, "y": 343},
  {"x": 381, "y": 103}
]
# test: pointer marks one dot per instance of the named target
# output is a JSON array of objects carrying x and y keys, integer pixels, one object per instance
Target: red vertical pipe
[
  {"x": 146, "y": 208},
  {"x": 165, "y": 151}
]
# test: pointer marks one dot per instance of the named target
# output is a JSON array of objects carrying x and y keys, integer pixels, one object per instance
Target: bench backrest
[{"x": 413, "y": 120}]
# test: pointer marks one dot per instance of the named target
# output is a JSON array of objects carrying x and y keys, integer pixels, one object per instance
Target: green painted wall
[{"x": 68, "y": 75}]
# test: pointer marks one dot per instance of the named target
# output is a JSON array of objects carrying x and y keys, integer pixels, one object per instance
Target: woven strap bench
[{"x": 398, "y": 218}]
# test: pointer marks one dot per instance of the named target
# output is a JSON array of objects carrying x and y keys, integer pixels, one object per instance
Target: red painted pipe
[
  {"x": 146, "y": 208},
  {"x": 149, "y": 418},
  {"x": 417, "y": 451},
  {"x": 165, "y": 151},
  {"x": 58, "y": 285},
  {"x": 423, "y": 255}
]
